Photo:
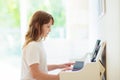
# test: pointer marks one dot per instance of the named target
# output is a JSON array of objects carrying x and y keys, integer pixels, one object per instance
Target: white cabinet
[{"x": 90, "y": 71}]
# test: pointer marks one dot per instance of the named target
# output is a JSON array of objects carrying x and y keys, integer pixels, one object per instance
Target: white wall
[
  {"x": 108, "y": 28},
  {"x": 77, "y": 27}
]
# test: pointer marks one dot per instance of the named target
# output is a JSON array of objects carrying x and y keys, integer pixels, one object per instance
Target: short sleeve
[{"x": 32, "y": 54}]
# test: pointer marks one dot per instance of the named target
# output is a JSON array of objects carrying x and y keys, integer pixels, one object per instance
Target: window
[{"x": 10, "y": 41}]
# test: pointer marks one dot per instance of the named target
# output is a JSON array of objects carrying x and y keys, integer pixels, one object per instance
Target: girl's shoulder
[{"x": 34, "y": 44}]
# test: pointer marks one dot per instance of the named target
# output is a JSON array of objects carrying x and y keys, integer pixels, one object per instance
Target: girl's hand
[
  {"x": 67, "y": 69},
  {"x": 65, "y": 65}
]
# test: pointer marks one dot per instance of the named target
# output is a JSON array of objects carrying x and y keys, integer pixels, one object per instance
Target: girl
[{"x": 34, "y": 66}]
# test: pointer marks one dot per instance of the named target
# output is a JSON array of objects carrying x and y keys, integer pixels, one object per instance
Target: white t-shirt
[{"x": 33, "y": 53}]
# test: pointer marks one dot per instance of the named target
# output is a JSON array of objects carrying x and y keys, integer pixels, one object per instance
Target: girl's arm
[
  {"x": 59, "y": 66},
  {"x": 39, "y": 75}
]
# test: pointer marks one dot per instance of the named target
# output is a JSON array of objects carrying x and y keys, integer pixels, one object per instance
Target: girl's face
[{"x": 46, "y": 28}]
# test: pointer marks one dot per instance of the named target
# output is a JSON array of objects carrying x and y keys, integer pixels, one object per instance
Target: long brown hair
[{"x": 34, "y": 32}]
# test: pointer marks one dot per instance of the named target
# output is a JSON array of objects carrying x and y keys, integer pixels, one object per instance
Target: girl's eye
[{"x": 48, "y": 26}]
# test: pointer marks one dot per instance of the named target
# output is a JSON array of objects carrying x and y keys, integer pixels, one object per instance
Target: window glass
[{"x": 10, "y": 49}]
